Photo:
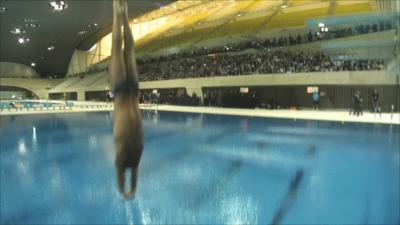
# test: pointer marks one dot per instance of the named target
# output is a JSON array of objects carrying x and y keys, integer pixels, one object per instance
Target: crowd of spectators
[
  {"x": 298, "y": 62},
  {"x": 232, "y": 59},
  {"x": 230, "y": 64},
  {"x": 274, "y": 42}
]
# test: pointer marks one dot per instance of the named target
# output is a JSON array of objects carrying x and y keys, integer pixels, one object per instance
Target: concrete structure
[
  {"x": 39, "y": 87},
  {"x": 17, "y": 70}
]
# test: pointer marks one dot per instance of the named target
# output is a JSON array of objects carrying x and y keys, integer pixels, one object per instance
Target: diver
[{"x": 128, "y": 129}]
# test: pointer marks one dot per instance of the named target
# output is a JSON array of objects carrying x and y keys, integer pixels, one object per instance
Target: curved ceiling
[{"x": 57, "y": 28}]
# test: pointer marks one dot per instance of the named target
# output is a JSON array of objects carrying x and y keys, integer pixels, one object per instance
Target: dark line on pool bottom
[{"x": 289, "y": 198}]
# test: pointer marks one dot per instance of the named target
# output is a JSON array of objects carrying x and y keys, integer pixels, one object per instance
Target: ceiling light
[
  {"x": 33, "y": 64},
  {"x": 2, "y": 9},
  {"x": 16, "y": 31},
  {"x": 34, "y": 25},
  {"x": 23, "y": 40},
  {"x": 239, "y": 14},
  {"x": 53, "y": 3},
  {"x": 50, "y": 48},
  {"x": 30, "y": 20},
  {"x": 284, "y": 6},
  {"x": 58, "y": 5},
  {"x": 135, "y": 20},
  {"x": 95, "y": 24},
  {"x": 82, "y": 32}
]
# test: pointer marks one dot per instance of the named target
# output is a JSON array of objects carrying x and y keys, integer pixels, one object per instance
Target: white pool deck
[{"x": 342, "y": 116}]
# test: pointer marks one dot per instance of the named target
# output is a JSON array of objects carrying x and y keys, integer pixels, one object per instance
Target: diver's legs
[{"x": 121, "y": 178}]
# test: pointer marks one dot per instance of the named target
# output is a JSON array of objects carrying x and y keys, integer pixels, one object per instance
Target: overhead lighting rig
[
  {"x": 16, "y": 30},
  {"x": 23, "y": 40},
  {"x": 58, "y": 5},
  {"x": 323, "y": 28},
  {"x": 82, "y": 32}
]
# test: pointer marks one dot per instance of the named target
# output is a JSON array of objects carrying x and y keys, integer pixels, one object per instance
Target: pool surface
[{"x": 200, "y": 169}]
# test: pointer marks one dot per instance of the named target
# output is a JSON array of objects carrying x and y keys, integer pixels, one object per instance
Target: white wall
[
  {"x": 7, "y": 95},
  {"x": 10, "y": 69},
  {"x": 38, "y": 86}
]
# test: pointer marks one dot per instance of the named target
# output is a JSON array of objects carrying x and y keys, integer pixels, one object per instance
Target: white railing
[{"x": 16, "y": 106}]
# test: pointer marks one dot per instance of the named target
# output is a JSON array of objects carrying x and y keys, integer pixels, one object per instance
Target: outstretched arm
[
  {"x": 117, "y": 64},
  {"x": 129, "y": 47},
  {"x": 123, "y": 67}
]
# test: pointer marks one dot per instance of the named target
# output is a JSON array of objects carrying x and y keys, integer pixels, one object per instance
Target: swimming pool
[{"x": 200, "y": 169}]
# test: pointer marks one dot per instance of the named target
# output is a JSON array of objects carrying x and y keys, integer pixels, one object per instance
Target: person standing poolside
[
  {"x": 128, "y": 130},
  {"x": 316, "y": 97},
  {"x": 376, "y": 105},
  {"x": 357, "y": 104}
]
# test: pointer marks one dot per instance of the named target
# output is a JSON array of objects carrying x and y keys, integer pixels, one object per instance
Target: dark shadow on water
[
  {"x": 208, "y": 192},
  {"x": 289, "y": 199}
]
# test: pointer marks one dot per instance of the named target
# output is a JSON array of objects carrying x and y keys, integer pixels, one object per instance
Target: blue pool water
[{"x": 200, "y": 169}]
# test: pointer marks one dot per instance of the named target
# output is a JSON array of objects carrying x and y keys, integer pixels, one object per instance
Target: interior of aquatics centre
[{"x": 281, "y": 112}]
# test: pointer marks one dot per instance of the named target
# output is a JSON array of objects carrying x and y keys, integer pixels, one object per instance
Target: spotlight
[
  {"x": 82, "y": 32},
  {"x": 30, "y": 21},
  {"x": 50, "y": 48},
  {"x": 33, "y": 25},
  {"x": 16, "y": 31},
  {"x": 3, "y": 9},
  {"x": 33, "y": 64},
  {"x": 323, "y": 28},
  {"x": 53, "y": 4},
  {"x": 239, "y": 14},
  {"x": 23, "y": 40},
  {"x": 58, "y": 5}
]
